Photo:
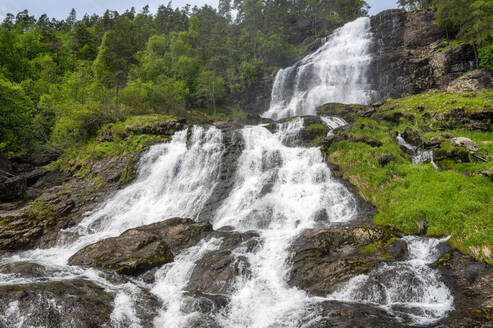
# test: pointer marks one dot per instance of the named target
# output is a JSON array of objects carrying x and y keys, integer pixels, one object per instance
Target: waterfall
[
  {"x": 278, "y": 190},
  {"x": 334, "y": 73}
]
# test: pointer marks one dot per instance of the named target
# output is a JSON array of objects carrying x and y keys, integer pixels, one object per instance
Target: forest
[{"x": 62, "y": 80}]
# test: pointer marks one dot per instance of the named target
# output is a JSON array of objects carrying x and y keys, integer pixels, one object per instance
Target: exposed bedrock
[
  {"x": 322, "y": 259},
  {"x": 409, "y": 57}
]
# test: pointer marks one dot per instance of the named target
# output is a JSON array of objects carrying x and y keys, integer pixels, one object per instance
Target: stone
[
  {"x": 66, "y": 303},
  {"x": 166, "y": 128},
  {"x": 141, "y": 249},
  {"x": 471, "y": 283},
  {"x": 473, "y": 81},
  {"x": 323, "y": 259},
  {"x": 217, "y": 272},
  {"x": 12, "y": 188},
  {"x": 412, "y": 137},
  {"x": 466, "y": 143},
  {"x": 487, "y": 172}
]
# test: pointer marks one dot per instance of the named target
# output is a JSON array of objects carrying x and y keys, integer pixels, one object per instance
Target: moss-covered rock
[{"x": 141, "y": 249}]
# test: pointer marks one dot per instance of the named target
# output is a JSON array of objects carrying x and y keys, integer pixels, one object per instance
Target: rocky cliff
[{"x": 410, "y": 56}]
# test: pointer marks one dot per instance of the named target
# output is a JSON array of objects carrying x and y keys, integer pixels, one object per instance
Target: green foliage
[
  {"x": 15, "y": 117},
  {"x": 486, "y": 57}
]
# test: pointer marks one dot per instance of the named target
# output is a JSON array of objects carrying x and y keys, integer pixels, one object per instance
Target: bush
[
  {"x": 81, "y": 122},
  {"x": 486, "y": 57}
]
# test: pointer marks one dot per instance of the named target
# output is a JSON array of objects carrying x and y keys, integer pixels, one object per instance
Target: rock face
[
  {"x": 141, "y": 249},
  {"x": 408, "y": 57},
  {"x": 325, "y": 258},
  {"x": 69, "y": 303},
  {"x": 472, "y": 284}
]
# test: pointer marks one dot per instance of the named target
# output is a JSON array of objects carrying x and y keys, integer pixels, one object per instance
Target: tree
[
  {"x": 117, "y": 53},
  {"x": 15, "y": 116}
]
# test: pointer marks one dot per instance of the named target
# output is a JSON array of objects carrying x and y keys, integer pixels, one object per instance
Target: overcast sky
[{"x": 61, "y": 8}]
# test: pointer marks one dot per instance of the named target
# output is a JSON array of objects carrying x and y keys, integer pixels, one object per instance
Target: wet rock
[
  {"x": 217, "y": 272},
  {"x": 385, "y": 159},
  {"x": 472, "y": 285},
  {"x": 12, "y": 188},
  {"x": 330, "y": 314},
  {"x": 69, "y": 303},
  {"x": 141, "y": 249},
  {"x": 325, "y": 258},
  {"x": 412, "y": 137},
  {"x": 233, "y": 147},
  {"x": 466, "y": 143},
  {"x": 20, "y": 229}
]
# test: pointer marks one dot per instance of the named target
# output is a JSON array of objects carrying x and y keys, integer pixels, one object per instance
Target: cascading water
[
  {"x": 410, "y": 290},
  {"x": 278, "y": 191},
  {"x": 418, "y": 156},
  {"x": 334, "y": 73}
]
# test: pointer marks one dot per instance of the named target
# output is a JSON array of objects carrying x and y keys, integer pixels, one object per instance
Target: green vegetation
[
  {"x": 455, "y": 201},
  {"x": 62, "y": 81}
]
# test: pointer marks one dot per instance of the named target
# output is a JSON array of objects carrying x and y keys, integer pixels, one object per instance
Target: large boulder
[
  {"x": 138, "y": 250},
  {"x": 466, "y": 143},
  {"x": 217, "y": 272},
  {"x": 67, "y": 303},
  {"x": 323, "y": 259}
]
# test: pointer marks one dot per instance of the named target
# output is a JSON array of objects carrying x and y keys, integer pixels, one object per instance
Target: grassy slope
[{"x": 456, "y": 202}]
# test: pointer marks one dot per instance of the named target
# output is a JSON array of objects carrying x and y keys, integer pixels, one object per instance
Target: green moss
[
  {"x": 456, "y": 202},
  {"x": 318, "y": 128}
]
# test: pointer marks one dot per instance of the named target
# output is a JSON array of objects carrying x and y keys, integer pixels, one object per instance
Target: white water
[
  {"x": 278, "y": 192},
  {"x": 410, "y": 290},
  {"x": 418, "y": 156},
  {"x": 334, "y": 73},
  {"x": 333, "y": 123}
]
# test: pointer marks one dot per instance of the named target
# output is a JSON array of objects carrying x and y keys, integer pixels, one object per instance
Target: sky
[{"x": 61, "y": 8}]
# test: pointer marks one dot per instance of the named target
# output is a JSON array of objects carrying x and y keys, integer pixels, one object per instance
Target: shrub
[{"x": 486, "y": 57}]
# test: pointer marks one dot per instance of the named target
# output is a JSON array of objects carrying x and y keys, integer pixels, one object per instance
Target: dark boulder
[
  {"x": 325, "y": 258},
  {"x": 217, "y": 272},
  {"x": 141, "y": 249}
]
